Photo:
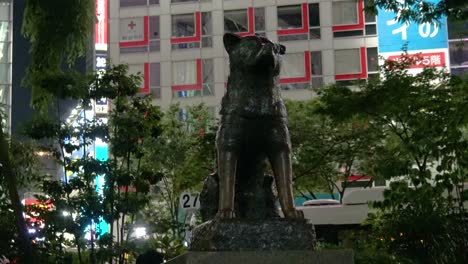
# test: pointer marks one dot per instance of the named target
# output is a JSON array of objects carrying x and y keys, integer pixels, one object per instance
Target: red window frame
[
  {"x": 362, "y": 74},
  {"x": 196, "y": 38},
  {"x": 146, "y": 75},
  {"x": 360, "y": 23},
  {"x": 306, "y": 77},
  {"x": 305, "y": 24},
  {"x": 250, "y": 23},
  {"x": 195, "y": 86},
  {"x": 139, "y": 43}
]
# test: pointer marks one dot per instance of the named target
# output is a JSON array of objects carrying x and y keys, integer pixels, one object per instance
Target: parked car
[{"x": 322, "y": 202}]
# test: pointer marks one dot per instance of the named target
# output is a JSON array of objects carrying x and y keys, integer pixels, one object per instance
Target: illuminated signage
[
  {"x": 100, "y": 32},
  {"x": 427, "y": 42},
  {"x": 101, "y": 107},
  {"x": 101, "y": 61},
  {"x": 393, "y": 35}
]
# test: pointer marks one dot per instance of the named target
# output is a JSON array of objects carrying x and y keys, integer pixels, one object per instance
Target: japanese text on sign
[
  {"x": 394, "y": 35},
  {"x": 435, "y": 59}
]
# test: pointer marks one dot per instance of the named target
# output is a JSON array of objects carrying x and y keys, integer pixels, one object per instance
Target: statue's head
[{"x": 253, "y": 53}]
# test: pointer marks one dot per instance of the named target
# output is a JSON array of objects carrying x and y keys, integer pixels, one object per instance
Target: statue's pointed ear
[{"x": 230, "y": 40}]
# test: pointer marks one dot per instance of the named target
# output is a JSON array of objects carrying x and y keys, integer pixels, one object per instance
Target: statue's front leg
[
  {"x": 281, "y": 164},
  {"x": 227, "y": 163}
]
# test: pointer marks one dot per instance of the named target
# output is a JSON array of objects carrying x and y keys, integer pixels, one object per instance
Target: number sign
[{"x": 189, "y": 201}]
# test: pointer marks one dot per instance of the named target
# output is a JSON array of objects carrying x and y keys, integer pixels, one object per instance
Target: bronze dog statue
[{"x": 253, "y": 122}]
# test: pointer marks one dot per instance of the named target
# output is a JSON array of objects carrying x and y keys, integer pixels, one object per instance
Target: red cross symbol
[{"x": 131, "y": 25}]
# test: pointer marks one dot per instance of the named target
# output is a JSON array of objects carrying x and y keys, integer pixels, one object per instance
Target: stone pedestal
[
  {"x": 266, "y": 257},
  {"x": 243, "y": 235}
]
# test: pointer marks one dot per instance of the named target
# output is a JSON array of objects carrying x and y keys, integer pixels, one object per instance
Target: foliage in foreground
[
  {"x": 423, "y": 117},
  {"x": 80, "y": 200},
  {"x": 327, "y": 151}
]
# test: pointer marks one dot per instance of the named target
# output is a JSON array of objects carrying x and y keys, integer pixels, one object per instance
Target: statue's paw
[
  {"x": 225, "y": 214},
  {"x": 294, "y": 214}
]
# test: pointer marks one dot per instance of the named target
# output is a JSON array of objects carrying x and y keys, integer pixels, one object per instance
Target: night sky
[{"x": 21, "y": 97}]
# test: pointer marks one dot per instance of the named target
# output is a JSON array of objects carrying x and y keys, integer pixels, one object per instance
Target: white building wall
[
  {"x": 6, "y": 24},
  {"x": 328, "y": 42}
]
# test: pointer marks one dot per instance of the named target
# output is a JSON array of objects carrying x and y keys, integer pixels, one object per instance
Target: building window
[
  {"x": 127, "y": 3},
  {"x": 4, "y": 52},
  {"x": 293, "y": 66},
  {"x": 316, "y": 69},
  {"x": 457, "y": 29},
  {"x": 207, "y": 30},
  {"x": 4, "y": 10},
  {"x": 183, "y": 25},
  {"x": 459, "y": 71},
  {"x": 244, "y": 22},
  {"x": 184, "y": 73},
  {"x": 370, "y": 24},
  {"x": 295, "y": 72},
  {"x": 183, "y": 1},
  {"x": 458, "y": 53},
  {"x": 348, "y": 19},
  {"x": 154, "y": 35},
  {"x": 189, "y": 30},
  {"x": 4, "y": 31},
  {"x": 314, "y": 21},
  {"x": 192, "y": 78},
  {"x": 290, "y": 17},
  {"x": 4, "y": 96},
  {"x": 350, "y": 64},
  {"x": 142, "y": 70},
  {"x": 347, "y": 61},
  {"x": 344, "y": 13},
  {"x": 259, "y": 19},
  {"x": 5, "y": 73},
  {"x": 208, "y": 80},
  {"x": 155, "y": 80},
  {"x": 458, "y": 46},
  {"x": 298, "y": 22},
  {"x": 139, "y": 34},
  {"x": 236, "y": 21},
  {"x": 372, "y": 60}
]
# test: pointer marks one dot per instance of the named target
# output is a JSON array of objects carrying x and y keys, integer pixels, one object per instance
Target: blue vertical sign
[
  {"x": 393, "y": 35},
  {"x": 101, "y": 153}
]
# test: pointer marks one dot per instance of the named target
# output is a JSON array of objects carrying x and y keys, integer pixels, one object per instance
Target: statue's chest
[{"x": 249, "y": 92}]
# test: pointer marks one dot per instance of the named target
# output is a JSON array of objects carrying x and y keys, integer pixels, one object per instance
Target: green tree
[
  {"x": 131, "y": 122},
  {"x": 422, "y": 117},
  {"x": 184, "y": 155},
  {"x": 18, "y": 174},
  {"x": 327, "y": 150},
  {"x": 59, "y": 32}
]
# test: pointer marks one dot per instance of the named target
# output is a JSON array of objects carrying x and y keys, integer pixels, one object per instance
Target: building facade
[
  {"x": 6, "y": 10},
  {"x": 177, "y": 44}
]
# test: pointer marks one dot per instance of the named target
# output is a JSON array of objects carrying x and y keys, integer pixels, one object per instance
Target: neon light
[{"x": 100, "y": 30}]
